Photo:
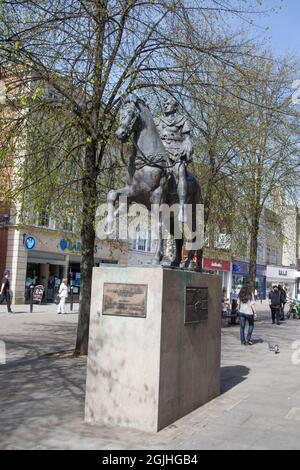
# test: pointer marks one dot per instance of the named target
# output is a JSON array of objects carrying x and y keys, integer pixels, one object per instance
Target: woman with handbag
[
  {"x": 63, "y": 294},
  {"x": 247, "y": 310}
]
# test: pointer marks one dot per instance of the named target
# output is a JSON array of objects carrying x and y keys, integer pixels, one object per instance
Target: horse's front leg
[
  {"x": 111, "y": 200},
  {"x": 112, "y": 197}
]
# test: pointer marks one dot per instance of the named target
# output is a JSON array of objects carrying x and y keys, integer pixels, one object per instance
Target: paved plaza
[{"x": 42, "y": 394}]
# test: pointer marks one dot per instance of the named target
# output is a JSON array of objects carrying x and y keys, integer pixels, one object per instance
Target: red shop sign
[{"x": 216, "y": 265}]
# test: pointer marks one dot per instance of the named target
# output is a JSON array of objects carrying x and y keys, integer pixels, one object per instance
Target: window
[
  {"x": 43, "y": 218},
  {"x": 141, "y": 244},
  {"x": 68, "y": 226}
]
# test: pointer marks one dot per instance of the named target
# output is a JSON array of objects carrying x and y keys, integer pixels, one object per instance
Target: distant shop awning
[{"x": 42, "y": 257}]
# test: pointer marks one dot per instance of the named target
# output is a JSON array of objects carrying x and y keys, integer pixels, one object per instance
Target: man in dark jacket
[
  {"x": 282, "y": 293},
  {"x": 275, "y": 304},
  {"x": 5, "y": 291}
]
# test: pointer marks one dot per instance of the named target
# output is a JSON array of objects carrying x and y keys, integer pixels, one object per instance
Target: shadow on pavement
[
  {"x": 231, "y": 376},
  {"x": 38, "y": 395}
]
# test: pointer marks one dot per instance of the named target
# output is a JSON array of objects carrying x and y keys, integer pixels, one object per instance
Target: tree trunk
[
  {"x": 253, "y": 251},
  {"x": 89, "y": 191},
  {"x": 200, "y": 254}
]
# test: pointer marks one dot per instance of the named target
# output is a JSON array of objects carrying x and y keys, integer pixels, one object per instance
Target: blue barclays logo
[
  {"x": 72, "y": 246},
  {"x": 63, "y": 244},
  {"x": 29, "y": 243},
  {"x": 68, "y": 245}
]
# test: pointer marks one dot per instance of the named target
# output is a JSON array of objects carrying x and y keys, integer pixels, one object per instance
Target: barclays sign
[{"x": 74, "y": 247}]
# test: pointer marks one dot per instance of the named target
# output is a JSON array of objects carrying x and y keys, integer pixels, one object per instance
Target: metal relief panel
[
  {"x": 128, "y": 300},
  {"x": 196, "y": 304}
]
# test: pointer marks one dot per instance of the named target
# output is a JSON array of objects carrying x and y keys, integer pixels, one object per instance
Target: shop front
[
  {"x": 221, "y": 267},
  {"x": 46, "y": 269},
  {"x": 285, "y": 276},
  {"x": 43, "y": 257},
  {"x": 240, "y": 275}
]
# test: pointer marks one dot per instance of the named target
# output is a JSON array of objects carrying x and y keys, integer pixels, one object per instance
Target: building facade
[{"x": 35, "y": 255}]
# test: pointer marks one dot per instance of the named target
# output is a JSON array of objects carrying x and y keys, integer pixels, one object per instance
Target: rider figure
[{"x": 175, "y": 132}]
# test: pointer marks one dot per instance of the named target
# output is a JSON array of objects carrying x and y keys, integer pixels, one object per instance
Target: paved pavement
[{"x": 42, "y": 396}]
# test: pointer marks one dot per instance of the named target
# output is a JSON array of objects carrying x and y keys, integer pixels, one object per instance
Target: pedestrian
[
  {"x": 282, "y": 293},
  {"x": 225, "y": 300},
  {"x": 247, "y": 311},
  {"x": 255, "y": 295},
  {"x": 62, "y": 294},
  {"x": 275, "y": 304},
  {"x": 5, "y": 291}
]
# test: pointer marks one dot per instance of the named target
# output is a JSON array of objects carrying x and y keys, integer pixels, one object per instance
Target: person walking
[
  {"x": 247, "y": 310},
  {"x": 275, "y": 304},
  {"x": 63, "y": 294},
  {"x": 5, "y": 291},
  {"x": 282, "y": 293}
]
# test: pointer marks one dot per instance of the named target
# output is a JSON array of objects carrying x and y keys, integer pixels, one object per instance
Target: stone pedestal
[{"x": 154, "y": 346}]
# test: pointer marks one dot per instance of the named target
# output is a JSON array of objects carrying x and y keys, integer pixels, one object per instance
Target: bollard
[
  {"x": 31, "y": 298},
  {"x": 71, "y": 303}
]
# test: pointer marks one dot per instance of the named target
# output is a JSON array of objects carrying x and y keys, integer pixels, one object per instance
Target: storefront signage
[
  {"x": 38, "y": 293},
  {"x": 29, "y": 243},
  {"x": 216, "y": 265},
  {"x": 72, "y": 246},
  {"x": 275, "y": 273},
  {"x": 242, "y": 267},
  {"x": 68, "y": 245},
  {"x": 282, "y": 273}
]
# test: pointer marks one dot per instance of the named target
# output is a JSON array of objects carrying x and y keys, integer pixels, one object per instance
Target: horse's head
[{"x": 129, "y": 114}]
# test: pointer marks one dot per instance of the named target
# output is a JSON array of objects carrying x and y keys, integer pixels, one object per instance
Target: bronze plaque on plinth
[
  {"x": 196, "y": 304},
  {"x": 127, "y": 300}
]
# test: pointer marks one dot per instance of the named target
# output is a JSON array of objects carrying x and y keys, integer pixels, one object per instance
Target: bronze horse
[{"x": 148, "y": 180}]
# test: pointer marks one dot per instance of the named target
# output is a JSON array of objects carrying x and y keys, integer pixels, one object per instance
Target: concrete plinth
[{"x": 147, "y": 372}]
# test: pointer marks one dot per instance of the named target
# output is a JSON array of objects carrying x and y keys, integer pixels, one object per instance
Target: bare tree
[
  {"x": 267, "y": 154},
  {"x": 91, "y": 53}
]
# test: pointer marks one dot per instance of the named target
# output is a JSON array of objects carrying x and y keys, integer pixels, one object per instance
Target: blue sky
[{"x": 284, "y": 26}]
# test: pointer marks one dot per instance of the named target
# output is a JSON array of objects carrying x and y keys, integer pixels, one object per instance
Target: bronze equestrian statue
[{"x": 154, "y": 173}]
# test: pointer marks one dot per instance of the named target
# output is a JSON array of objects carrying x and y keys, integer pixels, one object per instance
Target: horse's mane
[{"x": 136, "y": 99}]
